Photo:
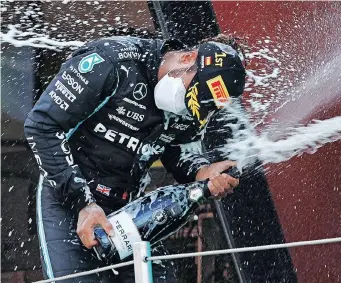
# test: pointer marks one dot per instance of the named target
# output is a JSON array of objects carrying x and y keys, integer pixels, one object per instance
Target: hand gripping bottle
[{"x": 152, "y": 218}]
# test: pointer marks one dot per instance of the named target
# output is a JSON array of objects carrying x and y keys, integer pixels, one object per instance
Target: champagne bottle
[{"x": 152, "y": 218}]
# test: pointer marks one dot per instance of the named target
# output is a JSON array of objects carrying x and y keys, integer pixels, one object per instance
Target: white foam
[
  {"x": 262, "y": 80},
  {"x": 14, "y": 37},
  {"x": 246, "y": 145},
  {"x": 191, "y": 152},
  {"x": 261, "y": 54}
]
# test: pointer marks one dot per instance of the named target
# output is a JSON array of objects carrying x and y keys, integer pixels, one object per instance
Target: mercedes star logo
[{"x": 140, "y": 91}]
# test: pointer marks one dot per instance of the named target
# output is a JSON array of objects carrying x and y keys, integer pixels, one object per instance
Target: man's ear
[{"x": 189, "y": 57}]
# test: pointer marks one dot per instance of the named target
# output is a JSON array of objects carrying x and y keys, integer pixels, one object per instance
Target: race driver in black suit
[{"x": 117, "y": 105}]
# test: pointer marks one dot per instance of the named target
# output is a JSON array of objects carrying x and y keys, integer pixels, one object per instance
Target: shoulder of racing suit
[{"x": 121, "y": 48}]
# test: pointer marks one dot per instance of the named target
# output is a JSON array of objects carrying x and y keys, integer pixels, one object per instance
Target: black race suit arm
[
  {"x": 82, "y": 83},
  {"x": 184, "y": 161}
]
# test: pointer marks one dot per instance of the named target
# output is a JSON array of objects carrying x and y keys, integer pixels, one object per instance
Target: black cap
[
  {"x": 171, "y": 44},
  {"x": 220, "y": 76}
]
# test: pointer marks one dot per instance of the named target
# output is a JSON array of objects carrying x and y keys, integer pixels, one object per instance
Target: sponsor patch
[
  {"x": 116, "y": 137},
  {"x": 65, "y": 91},
  {"x": 218, "y": 91},
  {"x": 130, "y": 114},
  {"x": 125, "y": 69},
  {"x": 74, "y": 70},
  {"x": 134, "y": 103},
  {"x": 140, "y": 91},
  {"x": 122, "y": 122},
  {"x": 87, "y": 63},
  {"x": 180, "y": 127},
  {"x": 65, "y": 148},
  {"x": 33, "y": 144},
  {"x": 131, "y": 48},
  {"x": 129, "y": 55},
  {"x": 135, "y": 116},
  {"x": 103, "y": 189},
  {"x": 72, "y": 82},
  {"x": 167, "y": 138},
  {"x": 121, "y": 110},
  {"x": 59, "y": 101}
]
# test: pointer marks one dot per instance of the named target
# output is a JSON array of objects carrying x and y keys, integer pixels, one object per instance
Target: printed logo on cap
[
  {"x": 87, "y": 63},
  {"x": 206, "y": 61},
  {"x": 219, "y": 59},
  {"x": 219, "y": 91},
  {"x": 193, "y": 103}
]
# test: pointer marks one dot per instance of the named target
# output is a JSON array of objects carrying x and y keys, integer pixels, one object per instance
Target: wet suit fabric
[{"x": 95, "y": 131}]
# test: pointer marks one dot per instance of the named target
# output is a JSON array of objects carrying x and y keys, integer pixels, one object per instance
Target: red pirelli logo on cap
[{"x": 219, "y": 91}]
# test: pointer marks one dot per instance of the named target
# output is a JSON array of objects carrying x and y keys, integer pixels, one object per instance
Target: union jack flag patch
[{"x": 103, "y": 189}]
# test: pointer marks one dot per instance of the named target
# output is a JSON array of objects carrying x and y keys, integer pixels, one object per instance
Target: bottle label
[{"x": 126, "y": 234}]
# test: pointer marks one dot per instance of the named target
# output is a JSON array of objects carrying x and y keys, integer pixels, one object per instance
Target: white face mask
[{"x": 169, "y": 94}]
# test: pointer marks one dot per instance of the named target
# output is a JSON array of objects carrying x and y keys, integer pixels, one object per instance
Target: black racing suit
[{"x": 95, "y": 132}]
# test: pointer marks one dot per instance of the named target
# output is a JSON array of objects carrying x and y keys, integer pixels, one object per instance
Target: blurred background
[{"x": 294, "y": 77}]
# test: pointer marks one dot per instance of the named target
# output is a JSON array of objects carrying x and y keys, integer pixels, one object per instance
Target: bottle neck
[
  {"x": 198, "y": 191},
  {"x": 203, "y": 186}
]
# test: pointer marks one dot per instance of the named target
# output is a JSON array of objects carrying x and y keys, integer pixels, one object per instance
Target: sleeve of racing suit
[
  {"x": 83, "y": 82},
  {"x": 184, "y": 161}
]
